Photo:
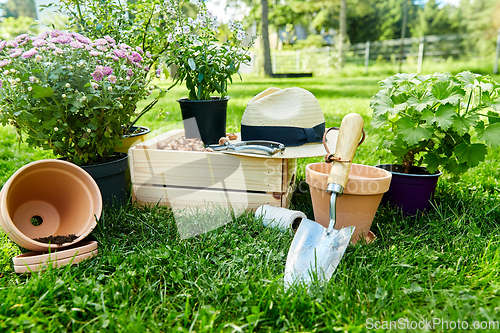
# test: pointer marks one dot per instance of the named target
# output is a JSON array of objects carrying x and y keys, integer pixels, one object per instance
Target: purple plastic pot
[{"x": 411, "y": 192}]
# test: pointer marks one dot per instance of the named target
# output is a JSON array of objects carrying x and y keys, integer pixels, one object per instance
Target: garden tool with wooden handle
[{"x": 316, "y": 251}]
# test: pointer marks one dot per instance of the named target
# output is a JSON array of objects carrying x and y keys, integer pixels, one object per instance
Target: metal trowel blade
[{"x": 314, "y": 255}]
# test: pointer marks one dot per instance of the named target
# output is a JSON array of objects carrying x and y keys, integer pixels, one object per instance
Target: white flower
[
  {"x": 177, "y": 31},
  {"x": 130, "y": 98},
  {"x": 56, "y": 129},
  {"x": 170, "y": 38},
  {"x": 30, "y": 89},
  {"x": 6, "y": 72},
  {"x": 186, "y": 29},
  {"x": 12, "y": 70},
  {"x": 110, "y": 88},
  {"x": 121, "y": 106},
  {"x": 89, "y": 130},
  {"x": 63, "y": 95},
  {"x": 18, "y": 79},
  {"x": 240, "y": 35},
  {"x": 68, "y": 85}
]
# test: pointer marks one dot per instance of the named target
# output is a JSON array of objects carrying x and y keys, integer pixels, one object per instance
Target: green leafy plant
[
  {"x": 70, "y": 94},
  {"x": 204, "y": 64},
  {"x": 440, "y": 121}
]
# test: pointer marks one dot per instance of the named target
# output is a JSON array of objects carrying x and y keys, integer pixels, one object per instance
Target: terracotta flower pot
[
  {"x": 359, "y": 203},
  {"x": 49, "y": 198}
]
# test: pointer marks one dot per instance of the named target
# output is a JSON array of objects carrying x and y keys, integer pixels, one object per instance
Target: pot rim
[
  {"x": 436, "y": 174},
  {"x": 382, "y": 182},
  {"x": 213, "y": 99},
  {"x": 133, "y": 135}
]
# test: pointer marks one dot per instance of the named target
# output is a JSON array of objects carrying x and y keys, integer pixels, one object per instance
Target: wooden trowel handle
[{"x": 347, "y": 141}]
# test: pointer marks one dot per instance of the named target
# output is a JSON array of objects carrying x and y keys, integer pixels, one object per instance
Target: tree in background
[
  {"x": 433, "y": 20},
  {"x": 268, "y": 70},
  {"x": 481, "y": 20},
  {"x": 18, "y": 8},
  {"x": 11, "y": 27}
]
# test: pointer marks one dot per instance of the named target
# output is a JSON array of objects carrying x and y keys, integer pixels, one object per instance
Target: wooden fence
[{"x": 434, "y": 48}]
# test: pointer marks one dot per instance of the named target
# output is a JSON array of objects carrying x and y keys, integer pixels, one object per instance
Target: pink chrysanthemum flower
[
  {"x": 119, "y": 53},
  {"x": 16, "y": 53},
  {"x": 107, "y": 70},
  {"x": 30, "y": 53},
  {"x": 110, "y": 40}
]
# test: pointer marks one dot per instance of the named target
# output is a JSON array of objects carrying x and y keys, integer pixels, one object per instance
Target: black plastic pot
[
  {"x": 111, "y": 179},
  {"x": 412, "y": 192},
  {"x": 204, "y": 119}
]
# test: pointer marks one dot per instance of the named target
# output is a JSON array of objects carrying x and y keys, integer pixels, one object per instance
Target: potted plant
[
  {"x": 73, "y": 95},
  {"x": 441, "y": 122},
  {"x": 206, "y": 66},
  {"x": 140, "y": 24}
]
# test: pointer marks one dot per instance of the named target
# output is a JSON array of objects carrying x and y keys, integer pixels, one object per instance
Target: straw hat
[{"x": 291, "y": 116}]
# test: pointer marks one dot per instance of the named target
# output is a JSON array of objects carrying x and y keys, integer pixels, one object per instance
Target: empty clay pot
[
  {"x": 49, "y": 198},
  {"x": 359, "y": 203}
]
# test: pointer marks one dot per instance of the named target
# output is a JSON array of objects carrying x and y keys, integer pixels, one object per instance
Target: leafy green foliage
[
  {"x": 440, "y": 120},
  {"x": 72, "y": 95}
]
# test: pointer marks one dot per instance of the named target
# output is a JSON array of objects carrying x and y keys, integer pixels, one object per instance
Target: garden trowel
[{"x": 316, "y": 251}]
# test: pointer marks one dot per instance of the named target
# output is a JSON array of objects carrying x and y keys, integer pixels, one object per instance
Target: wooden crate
[{"x": 185, "y": 179}]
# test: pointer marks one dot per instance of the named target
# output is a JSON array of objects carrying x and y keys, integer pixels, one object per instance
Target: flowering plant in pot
[
  {"x": 140, "y": 24},
  {"x": 75, "y": 96},
  {"x": 205, "y": 65},
  {"x": 443, "y": 122},
  {"x": 70, "y": 94}
]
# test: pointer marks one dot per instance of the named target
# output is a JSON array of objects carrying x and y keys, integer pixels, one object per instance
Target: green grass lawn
[{"x": 444, "y": 264}]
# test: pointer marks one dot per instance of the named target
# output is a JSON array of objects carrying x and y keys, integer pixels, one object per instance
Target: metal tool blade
[
  {"x": 267, "y": 148},
  {"x": 314, "y": 255}
]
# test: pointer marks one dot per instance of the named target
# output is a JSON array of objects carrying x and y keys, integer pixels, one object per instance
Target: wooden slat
[
  {"x": 199, "y": 169},
  {"x": 179, "y": 198}
]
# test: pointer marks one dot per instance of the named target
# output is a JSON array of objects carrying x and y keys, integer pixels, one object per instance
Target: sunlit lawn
[{"x": 444, "y": 264}]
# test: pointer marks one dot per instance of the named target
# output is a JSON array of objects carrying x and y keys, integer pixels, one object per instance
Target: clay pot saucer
[{"x": 35, "y": 260}]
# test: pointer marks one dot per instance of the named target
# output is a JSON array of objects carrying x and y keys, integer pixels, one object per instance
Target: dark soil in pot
[{"x": 58, "y": 240}]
